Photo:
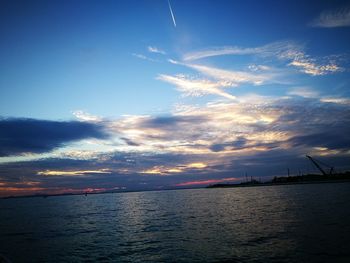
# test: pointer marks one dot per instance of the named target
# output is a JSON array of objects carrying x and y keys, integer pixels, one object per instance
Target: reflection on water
[{"x": 295, "y": 223}]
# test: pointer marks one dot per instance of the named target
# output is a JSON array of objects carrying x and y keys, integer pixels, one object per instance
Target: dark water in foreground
[{"x": 294, "y": 223}]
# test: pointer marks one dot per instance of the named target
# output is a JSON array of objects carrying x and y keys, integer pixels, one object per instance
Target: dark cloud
[
  {"x": 130, "y": 142},
  {"x": 218, "y": 147},
  {"x": 19, "y": 136},
  {"x": 242, "y": 143},
  {"x": 331, "y": 140},
  {"x": 316, "y": 124},
  {"x": 165, "y": 122},
  {"x": 311, "y": 114},
  {"x": 239, "y": 143}
]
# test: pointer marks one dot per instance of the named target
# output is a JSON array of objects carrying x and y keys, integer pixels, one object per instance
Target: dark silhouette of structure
[
  {"x": 328, "y": 175},
  {"x": 317, "y": 164}
]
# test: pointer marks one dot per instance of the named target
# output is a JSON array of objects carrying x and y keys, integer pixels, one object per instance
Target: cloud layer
[{"x": 193, "y": 146}]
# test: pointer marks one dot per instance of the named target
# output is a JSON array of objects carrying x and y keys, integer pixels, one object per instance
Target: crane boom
[{"x": 317, "y": 165}]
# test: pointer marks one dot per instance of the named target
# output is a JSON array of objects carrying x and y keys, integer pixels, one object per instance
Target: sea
[{"x": 285, "y": 223}]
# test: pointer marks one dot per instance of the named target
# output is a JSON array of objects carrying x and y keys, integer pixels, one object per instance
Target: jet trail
[{"x": 171, "y": 12}]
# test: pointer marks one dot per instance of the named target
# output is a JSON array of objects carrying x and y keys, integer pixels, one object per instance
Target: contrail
[{"x": 172, "y": 14}]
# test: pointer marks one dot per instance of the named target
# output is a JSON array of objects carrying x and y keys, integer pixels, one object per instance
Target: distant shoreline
[
  {"x": 276, "y": 184},
  {"x": 291, "y": 180}
]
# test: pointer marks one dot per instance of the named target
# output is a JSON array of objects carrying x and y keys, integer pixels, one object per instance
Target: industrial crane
[{"x": 317, "y": 164}]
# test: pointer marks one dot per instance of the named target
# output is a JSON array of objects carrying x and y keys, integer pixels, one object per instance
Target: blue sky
[{"x": 207, "y": 96}]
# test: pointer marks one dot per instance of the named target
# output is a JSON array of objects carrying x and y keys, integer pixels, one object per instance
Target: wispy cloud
[
  {"x": 230, "y": 77},
  {"x": 218, "y": 51},
  {"x": 155, "y": 50},
  {"x": 212, "y": 80},
  {"x": 140, "y": 56},
  {"x": 337, "y": 100},
  {"x": 196, "y": 87},
  {"x": 255, "y": 68},
  {"x": 288, "y": 51},
  {"x": 266, "y": 50},
  {"x": 84, "y": 116},
  {"x": 333, "y": 18}
]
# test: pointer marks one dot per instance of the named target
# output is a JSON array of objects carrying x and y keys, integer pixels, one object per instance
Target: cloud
[
  {"x": 305, "y": 92},
  {"x": 22, "y": 136},
  {"x": 288, "y": 51},
  {"x": 230, "y": 77},
  {"x": 336, "y": 100},
  {"x": 259, "y": 135},
  {"x": 248, "y": 125},
  {"x": 333, "y": 18},
  {"x": 130, "y": 142},
  {"x": 196, "y": 87},
  {"x": 307, "y": 66},
  {"x": 83, "y": 116},
  {"x": 180, "y": 168},
  {"x": 170, "y": 122},
  {"x": 213, "y": 80},
  {"x": 238, "y": 143},
  {"x": 328, "y": 139},
  {"x": 254, "y": 67},
  {"x": 155, "y": 50},
  {"x": 159, "y": 134},
  {"x": 140, "y": 56},
  {"x": 73, "y": 173},
  {"x": 272, "y": 49},
  {"x": 219, "y": 51}
]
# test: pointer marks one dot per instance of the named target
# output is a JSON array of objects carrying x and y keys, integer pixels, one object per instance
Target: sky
[{"x": 156, "y": 94}]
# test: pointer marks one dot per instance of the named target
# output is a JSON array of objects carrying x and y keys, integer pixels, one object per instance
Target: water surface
[{"x": 293, "y": 223}]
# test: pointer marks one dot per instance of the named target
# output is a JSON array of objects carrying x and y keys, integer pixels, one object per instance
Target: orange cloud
[
  {"x": 73, "y": 173},
  {"x": 162, "y": 170}
]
